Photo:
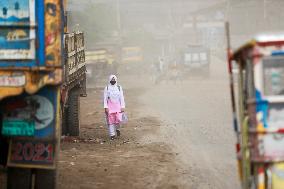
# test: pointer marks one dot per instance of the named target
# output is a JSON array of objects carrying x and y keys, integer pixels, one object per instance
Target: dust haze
[{"x": 169, "y": 56}]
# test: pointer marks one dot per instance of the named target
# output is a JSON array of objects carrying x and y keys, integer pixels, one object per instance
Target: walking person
[{"x": 114, "y": 105}]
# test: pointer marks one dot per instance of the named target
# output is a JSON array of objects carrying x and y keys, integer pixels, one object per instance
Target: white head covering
[
  {"x": 114, "y": 93},
  {"x": 112, "y": 77}
]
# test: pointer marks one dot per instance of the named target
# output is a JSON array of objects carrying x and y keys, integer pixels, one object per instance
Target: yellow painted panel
[
  {"x": 53, "y": 32},
  {"x": 33, "y": 81},
  {"x": 278, "y": 176}
]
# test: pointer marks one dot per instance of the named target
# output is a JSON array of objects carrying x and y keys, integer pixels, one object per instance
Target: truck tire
[
  {"x": 45, "y": 179},
  {"x": 73, "y": 113},
  {"x": 19, "y": 178},
  {"x": 4, "y": 146}
]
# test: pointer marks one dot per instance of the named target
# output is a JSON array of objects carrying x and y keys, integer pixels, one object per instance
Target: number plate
[
  {"x": 12, "y": 81},
  {"x": 32, "y": 153},
  {"x": 18, "y": 128}
]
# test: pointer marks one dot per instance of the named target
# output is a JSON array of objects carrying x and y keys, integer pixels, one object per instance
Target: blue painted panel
[
  {"x": 24, "y": 44},
  {"x": 8, "y": 22},
  {"x": 41, "y": 108},
  {"x": 15, "y": 34},
  {"x": 278, "y": 53},
  {"x": 15, "y": 63},
  {"x": 40, "y": 33},
  {"x": 50, "y": 93},
  {"x": 262, "y": 107}
]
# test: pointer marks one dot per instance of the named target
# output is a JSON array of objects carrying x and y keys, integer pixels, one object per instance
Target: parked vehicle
[
  {"x": 132, "y": 59},
  {"x": 100, "y": 64},
  {"x": 196, "y": 58},
  {"x": 74, "y": 83},
  {"x": 132, "y": 55},
  {"x": 41, "y": 79},
  {"x": 258, "y": 111}
]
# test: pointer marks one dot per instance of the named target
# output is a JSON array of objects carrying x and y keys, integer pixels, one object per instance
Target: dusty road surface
[
  {"x": 178, "y": 137},
  {"x": 92, "y": 161}
]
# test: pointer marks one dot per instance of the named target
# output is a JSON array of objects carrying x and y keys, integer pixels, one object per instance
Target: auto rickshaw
[{"x": 258, "y": 111}]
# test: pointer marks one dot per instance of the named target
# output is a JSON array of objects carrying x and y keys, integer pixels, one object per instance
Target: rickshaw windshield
[{"x": 273, "y": 72}]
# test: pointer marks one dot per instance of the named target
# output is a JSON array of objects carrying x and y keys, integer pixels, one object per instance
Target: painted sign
[
  {"x": 44, "y": 113},
  {"x": 273, "y": 81},
  {"x": 15, "y": 83},
  {"x": 18, "y": 128},
  {"x": 269, "y": 83},
  {"x": 31, "y": 153},
  {"x": 17, "y": 34},
  {"x": 276, "y": 116},
  {"x": 15, "y": 80},
  {"x": 40, "y": 109},
  {"x": 37, "y": 151},
  {"x": 271, "y": 145},
  {"x": 52, "y": 32}
]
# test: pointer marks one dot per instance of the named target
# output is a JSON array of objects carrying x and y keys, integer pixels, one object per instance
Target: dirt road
[
  {"x": 197, "y": 124},
  {"x": 92, "y": 161},
  {"x": 179, "y": 136}
]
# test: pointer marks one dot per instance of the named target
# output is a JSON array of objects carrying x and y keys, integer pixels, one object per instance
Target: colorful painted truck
[
  {"x": 258, "y": 111},
  {"x": 42, "y": 75}
]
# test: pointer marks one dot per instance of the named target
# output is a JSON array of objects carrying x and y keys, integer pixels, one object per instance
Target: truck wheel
[
  {"x": 73, "y": 113},
  {"x": 19, "y": 178},
  {"x": 45, "y": 179}
]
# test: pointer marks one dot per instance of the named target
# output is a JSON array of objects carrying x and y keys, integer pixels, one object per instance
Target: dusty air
[{"x": 141, "y": 94}]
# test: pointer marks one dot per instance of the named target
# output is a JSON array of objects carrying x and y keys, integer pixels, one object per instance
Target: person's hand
[
  {"x": 106, "y": 110},
  {"x": 122, "y": 109}
]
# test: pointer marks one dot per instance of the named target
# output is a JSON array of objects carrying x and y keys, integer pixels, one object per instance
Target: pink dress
[
  {"x": 114, "y": 101},
  {"x": 114, "y": 116}
]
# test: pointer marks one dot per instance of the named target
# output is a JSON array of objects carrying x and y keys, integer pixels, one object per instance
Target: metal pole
[
  {"x": 231, "y": 77},
  {"x": 233, "y": 100},
  {"x": 232, "y": 90}
]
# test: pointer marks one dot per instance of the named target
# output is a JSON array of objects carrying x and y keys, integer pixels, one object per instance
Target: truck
[
  {"x": 196, "y": 58},
  {"x": 74, "y": 84},
  {"x": 132, "y": 54},
  {"x": 257, "y": 99},
  {"x": 131, "y": 59},
  {"x": 100, "y": 64},
  {"x": 42, "y": 76}
]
